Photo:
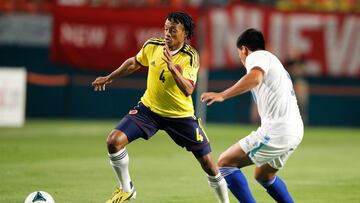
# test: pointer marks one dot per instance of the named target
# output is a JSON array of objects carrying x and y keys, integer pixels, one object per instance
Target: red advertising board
[
  {"x": 330, "y": 43},
  {"x": 102, "y": 38}
]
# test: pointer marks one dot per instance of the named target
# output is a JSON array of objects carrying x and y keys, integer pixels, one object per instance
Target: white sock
[
  {"x": 120, "y": 163},
  {"x": 218, "y": 184}
]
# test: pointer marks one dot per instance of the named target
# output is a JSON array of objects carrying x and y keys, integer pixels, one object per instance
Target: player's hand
[
  {"x": 168, "y": 58},
  {"x": 100, "y": 83},
  {"x": 211, "y": 97}
]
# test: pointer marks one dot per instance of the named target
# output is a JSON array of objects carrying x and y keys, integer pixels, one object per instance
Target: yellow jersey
[{"x": 162, "y": 94}]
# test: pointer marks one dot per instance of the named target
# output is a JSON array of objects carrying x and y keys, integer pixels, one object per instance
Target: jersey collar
[{"x": 176, "y": 51}]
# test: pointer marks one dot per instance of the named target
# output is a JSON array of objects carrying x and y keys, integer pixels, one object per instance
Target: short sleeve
[
  {"x": 191, "y": 68},
  {"x": 141, "y": 56},
  {"x": 257, "y": 59}
]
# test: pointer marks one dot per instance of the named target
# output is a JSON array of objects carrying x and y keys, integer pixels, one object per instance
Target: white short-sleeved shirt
[{"x": 275, "y": 97}]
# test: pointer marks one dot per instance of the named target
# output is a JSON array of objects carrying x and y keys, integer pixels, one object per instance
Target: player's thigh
[
  {"x": 234, "y": 156},
  {"x": 140, "y": 122}
]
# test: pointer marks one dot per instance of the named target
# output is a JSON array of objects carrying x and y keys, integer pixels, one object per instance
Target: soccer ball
[{"x": 39, "y": 197}]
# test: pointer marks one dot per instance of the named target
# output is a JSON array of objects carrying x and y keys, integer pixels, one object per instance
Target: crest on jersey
[
  {"x": 133, "y": 111},
  {"x": 178, "y": 67}
]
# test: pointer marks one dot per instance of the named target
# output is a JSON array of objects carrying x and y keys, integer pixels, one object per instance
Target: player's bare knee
[
  {"x": 261, "y": 177},
  {"x": 222, "y": 162},
  {"x": 110, "y": 140},
  {"x": 265, "y": 173},
  {"x": 113, "y": 142}
]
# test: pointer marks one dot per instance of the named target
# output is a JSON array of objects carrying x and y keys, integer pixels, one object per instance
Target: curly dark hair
[{"x": 185, "y": 19}]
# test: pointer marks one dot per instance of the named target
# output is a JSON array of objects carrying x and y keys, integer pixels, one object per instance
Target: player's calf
[
  {"x": 277, "y": 190},
  {"x": 215, "y": 179},
  {"x": 237, "y": 183}
]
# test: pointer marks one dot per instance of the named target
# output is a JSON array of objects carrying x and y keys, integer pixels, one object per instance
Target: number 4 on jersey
[{"x": 161, "y": 77}]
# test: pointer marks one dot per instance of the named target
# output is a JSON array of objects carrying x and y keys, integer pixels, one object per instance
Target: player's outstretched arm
[
  {"x": 245, "y": 84},
  {"x": 129, "y": 66}
]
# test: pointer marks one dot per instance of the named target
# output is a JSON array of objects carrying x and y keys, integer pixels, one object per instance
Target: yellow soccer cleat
[{"x": 120, "y": 196}]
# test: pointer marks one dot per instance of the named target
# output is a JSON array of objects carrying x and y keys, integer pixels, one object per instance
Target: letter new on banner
[
  {"x": 102, "y": 38},
  {"x": 329, "y": 42}
]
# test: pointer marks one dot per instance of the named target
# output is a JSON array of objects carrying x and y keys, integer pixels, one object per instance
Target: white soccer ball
[{"x": 39, "y": 197}]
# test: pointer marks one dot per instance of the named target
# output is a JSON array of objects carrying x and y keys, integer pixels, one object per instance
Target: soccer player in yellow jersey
[{"x": 166, "y": 104}]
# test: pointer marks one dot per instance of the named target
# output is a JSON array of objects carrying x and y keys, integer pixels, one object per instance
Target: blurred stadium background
[{"x": 50, "y": 51}]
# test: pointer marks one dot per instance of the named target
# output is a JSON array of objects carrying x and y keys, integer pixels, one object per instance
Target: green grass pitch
[{"x": 68, "y": 159}]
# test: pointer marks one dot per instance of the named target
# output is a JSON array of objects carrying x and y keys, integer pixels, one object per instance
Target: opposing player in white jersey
[{"x": 281, "y": 129}]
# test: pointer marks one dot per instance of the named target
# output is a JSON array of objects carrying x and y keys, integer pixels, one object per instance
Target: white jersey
[{"x": 275, "y": 96}]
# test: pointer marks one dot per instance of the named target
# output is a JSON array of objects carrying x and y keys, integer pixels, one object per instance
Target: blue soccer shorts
[{"x": 185, "y": 132}]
